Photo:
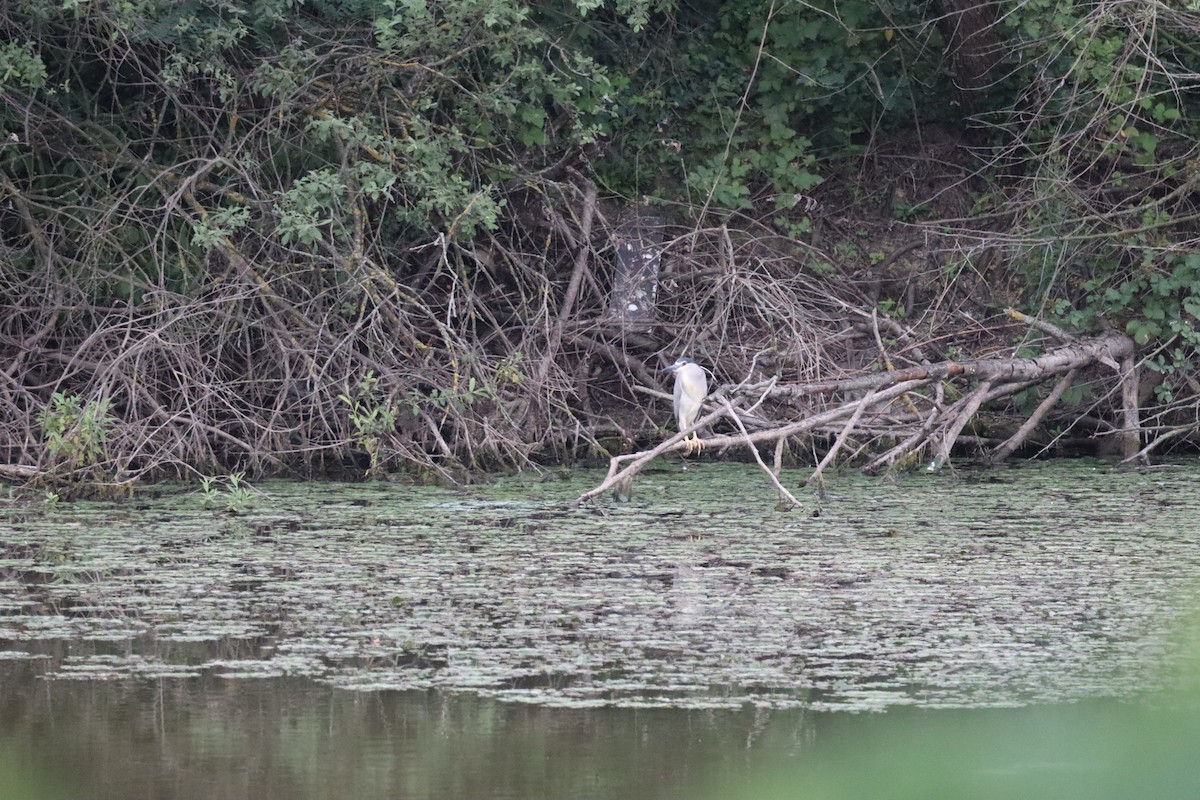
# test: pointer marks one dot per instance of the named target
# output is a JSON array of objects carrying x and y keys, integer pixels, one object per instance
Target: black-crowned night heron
[{"x": 691, "y": 387}]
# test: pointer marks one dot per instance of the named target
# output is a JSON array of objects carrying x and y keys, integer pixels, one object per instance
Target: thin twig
[{"x": 758, "y": 457}]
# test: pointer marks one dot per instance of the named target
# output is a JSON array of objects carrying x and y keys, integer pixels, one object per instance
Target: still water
[{"x": 329, "y": 641}]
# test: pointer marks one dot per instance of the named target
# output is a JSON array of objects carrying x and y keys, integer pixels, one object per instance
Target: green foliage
[
  {"x": 1027, "y": 400},
  {"x": 74, "y": 432},
  {"x": 309, "y": 205},
  {"x": 219, "y": 226},
  {"x": 891, "y": 308},
  {"x": 1101, "y": 83},
  {"x": 1110, "y": 172},
  {"x": 833, "y": 64},
  {"x": 20, "y": 64},
  {"x": 372, "y": 417},
  {"x": 1161, "y": 304},
  {"x": 457, "y": 398},
  {"x": 1158, "y": 305},
  {"x": 395, "y": 119},
  {"x": 509, "y": 371},
  {"x": 228, "y": 492},
  {"x": 713, "y": 117},
  {"x": 403, "y": 118}
]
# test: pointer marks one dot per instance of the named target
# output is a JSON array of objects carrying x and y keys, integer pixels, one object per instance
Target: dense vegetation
[{"x": 304, "y": 236}]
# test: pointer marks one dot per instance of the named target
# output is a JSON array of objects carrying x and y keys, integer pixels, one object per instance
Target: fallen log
[
  {"x": 18, "y": 472},
  {"x": 937, "y": 428}
]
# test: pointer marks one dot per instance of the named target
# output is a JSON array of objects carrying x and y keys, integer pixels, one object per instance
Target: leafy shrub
[{"x": 74, "y": 432}]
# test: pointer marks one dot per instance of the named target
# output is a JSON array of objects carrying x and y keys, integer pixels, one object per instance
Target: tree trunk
[{"x": 973, "y": 45}]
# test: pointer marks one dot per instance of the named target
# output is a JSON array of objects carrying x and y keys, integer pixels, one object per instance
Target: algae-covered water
[
  {"x": 698, "y": 602},
  {"x": 990, "y": 588}
]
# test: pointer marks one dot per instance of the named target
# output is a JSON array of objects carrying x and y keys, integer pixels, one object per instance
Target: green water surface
[{"x": 380, "y": 640}]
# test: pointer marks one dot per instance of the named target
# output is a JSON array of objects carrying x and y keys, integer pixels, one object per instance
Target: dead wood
[
  {"x": 1017, "y": 439},
  {"x": 18, "y": 472},
  {"x": 923, "y": 422}
]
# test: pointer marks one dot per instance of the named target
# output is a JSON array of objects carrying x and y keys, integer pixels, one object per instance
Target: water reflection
[
  {"x": 285, "y": 738},
  {"x": 210, "y": 738}
]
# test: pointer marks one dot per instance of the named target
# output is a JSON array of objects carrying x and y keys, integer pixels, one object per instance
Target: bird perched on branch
[{"x": 691, "y": 387}]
